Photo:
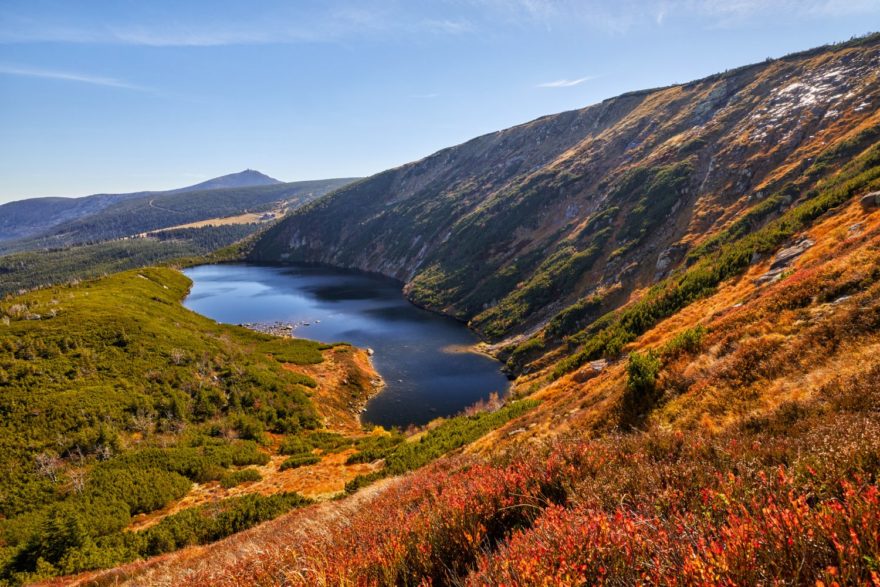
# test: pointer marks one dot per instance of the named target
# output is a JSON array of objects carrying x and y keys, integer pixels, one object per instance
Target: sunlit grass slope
[{"x": 114, "y": 400}]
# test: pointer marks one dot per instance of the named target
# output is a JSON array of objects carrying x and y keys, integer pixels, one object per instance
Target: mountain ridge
[
  {"x": 54, "y": 222},
  {"x": 567, "y": 207},
  {"x": 28, "y": 216},
  {"x": 248, "y": 177}
]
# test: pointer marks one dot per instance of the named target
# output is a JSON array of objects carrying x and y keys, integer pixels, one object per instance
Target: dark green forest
[
  {"x": 154, "y": 211},
  {"x": 21, "y": 271}
]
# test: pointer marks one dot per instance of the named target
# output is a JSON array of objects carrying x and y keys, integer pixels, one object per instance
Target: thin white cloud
[
  {"x": 565, "y": 83},
  {"x": 621, "y": 16},
  {"x": 612, "y": 17},
  {"x": 446, "y": 26},
  {"x": 334, "y": 22},
  {"x": 735, "y": 12},
  {"x": 661, "y": 14},
  {"x": 69, "y": 76},
  {"x": 165, "y": 36},
  {"x": 147, "y": 37},
  {"x": 844, "y": 7},
  {"x": 349, "y": 19}
]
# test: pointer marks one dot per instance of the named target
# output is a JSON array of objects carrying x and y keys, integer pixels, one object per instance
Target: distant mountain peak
[{"x": 246, "y": 178}]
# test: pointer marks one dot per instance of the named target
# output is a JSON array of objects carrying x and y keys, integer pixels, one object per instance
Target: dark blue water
[{"x": 425, "y": 375}]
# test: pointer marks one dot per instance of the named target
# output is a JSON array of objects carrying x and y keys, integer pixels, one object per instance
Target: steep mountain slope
[
  {"x": 758, "y": 461},
  {"x": 51, "y": 222},
  {"x": 587, "y": 207}
]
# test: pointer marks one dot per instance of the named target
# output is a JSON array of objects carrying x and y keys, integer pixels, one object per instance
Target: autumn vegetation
[
  {"x": 756, "y": 505},
  {"x": 712, "y": 420},
  {"x": 741, "y": 449}
]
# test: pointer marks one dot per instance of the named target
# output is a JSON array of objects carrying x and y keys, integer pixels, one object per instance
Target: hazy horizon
[{"x": 118, "y": 97}]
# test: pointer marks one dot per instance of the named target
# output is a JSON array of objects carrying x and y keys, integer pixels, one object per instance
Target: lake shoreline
[{"x": 430, "y": 365}]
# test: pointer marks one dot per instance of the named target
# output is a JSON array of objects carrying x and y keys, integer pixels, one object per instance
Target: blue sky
[{"x": 124, "y": 95}]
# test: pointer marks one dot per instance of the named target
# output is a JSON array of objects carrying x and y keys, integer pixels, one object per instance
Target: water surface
[{"x": 417, "y": 353}]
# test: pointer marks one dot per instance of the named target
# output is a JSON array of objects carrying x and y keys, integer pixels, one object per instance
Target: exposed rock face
[
  {"x": 783, "y": 259},
  {"x": 512, "y": 227},
  {"x": 590, "y": 370},
  {"x": 870, "y": 202},
  {"x": 666, "y": 260}
]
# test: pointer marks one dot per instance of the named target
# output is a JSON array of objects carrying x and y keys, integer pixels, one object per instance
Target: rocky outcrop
[
  {"x": 783, "y": 259},
  {"x": 667, "y": 259},
  {"x": 870, "y": 202},
  {"x": 589, "y": 371}
]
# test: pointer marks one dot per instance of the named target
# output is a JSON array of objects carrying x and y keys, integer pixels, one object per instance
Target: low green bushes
[
  {"x": 524, "y": 352},
  {"x": 295, "y": 350},
  {"x": 299, "y": 461},
  {"x": 641, "y": 392},
  {"x": 305, "y": 444},
  {"x": 575, "y": 317},
  {"x": 207, "y": 523},
  {"x": 200, "y": 464},
  {"x": 141, "y": 489},
  {"x": 449, "y": 435},
  {"x": 373, "y": 448},
  {"x": 687, "y": 341},
  {"x": 78, "y": 535},
  {"x": 234, "y": 478}
]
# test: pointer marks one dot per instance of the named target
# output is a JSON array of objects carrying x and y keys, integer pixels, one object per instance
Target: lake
[{"x": 419, "y": 354}]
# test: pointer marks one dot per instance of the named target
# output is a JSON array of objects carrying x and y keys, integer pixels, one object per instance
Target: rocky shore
[{"x": 278, "y": 327}]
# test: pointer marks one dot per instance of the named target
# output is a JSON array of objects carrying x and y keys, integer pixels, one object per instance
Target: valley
[{"x": 682, "y": 285}]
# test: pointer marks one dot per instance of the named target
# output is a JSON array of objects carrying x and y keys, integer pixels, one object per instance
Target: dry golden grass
[
  {"x": 720, "y": 402},
  {"x": 346, "y": 380},
  {"x": 247, "y": 218}
]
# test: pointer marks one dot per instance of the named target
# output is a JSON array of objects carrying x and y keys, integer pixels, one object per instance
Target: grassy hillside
[
  {"x": 736, "y": 441},
  {"x": 686, "y": 282},
  {"x": 115, "y": 401}
]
